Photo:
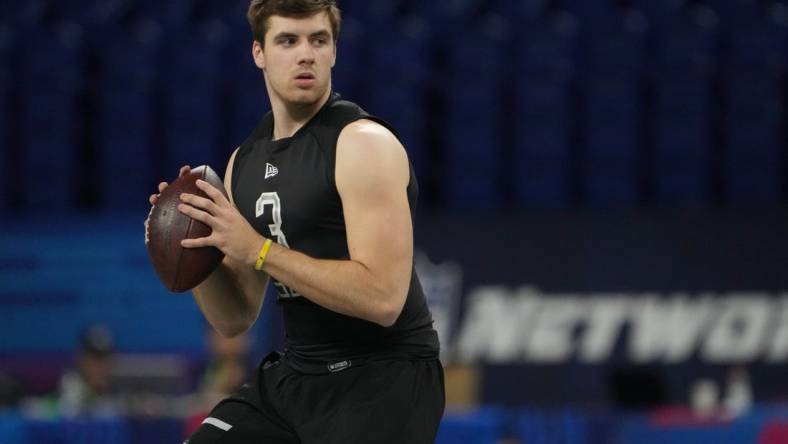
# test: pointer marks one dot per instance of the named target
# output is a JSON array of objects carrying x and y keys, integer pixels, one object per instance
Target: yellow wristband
[{"x": 263, "y": 253}]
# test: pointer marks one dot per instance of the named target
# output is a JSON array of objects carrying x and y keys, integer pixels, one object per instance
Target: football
[{"x": 181, "y": 269}]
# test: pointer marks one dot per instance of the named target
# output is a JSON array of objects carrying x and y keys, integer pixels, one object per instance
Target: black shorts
[{"x": 391, "y": 401}]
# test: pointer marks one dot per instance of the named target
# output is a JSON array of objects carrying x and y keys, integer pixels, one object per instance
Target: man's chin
[{"x": 306, "y": 96}]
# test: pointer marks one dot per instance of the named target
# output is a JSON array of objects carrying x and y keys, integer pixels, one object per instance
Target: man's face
[{"x": 297, "y": 58}]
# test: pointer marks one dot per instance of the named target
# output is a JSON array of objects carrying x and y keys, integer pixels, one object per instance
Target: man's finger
[
  {"x": 162, "y": 186},
  {"x": 200, "y": 202},
  {"x": 184, "y": 170},
  {"x": 211, "y": 191},
  {"x": 196, "y": 214},
  {"x": 199, "y": 242}
]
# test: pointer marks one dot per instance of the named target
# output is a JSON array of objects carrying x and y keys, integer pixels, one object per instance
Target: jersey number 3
[{"x": 272, "y": 199}]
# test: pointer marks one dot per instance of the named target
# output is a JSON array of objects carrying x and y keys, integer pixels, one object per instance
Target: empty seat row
[{"x": 549, "y": 115}]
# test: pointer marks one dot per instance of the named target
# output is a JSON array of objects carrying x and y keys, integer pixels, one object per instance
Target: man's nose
[{"x": 306, "y": 53}]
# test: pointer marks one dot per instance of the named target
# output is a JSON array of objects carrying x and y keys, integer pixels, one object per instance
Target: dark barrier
[{"x": 632, "y": 308}]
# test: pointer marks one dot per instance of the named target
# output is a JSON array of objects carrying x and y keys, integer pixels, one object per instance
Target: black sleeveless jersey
[{"x": 286, "y": 190}]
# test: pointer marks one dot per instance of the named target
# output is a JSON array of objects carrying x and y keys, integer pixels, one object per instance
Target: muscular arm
[
  {"x": 231, "y": 297},
  {"x": 372, "y": 175}
]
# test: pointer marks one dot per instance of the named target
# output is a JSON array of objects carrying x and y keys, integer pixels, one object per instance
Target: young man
[{"x": 321, "y": 199}]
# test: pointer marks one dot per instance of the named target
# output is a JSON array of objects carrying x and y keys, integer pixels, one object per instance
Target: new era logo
[{"x": 270, "y": 170}]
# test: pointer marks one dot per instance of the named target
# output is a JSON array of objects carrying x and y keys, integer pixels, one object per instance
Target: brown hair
[{"x": 260, "y": 10}]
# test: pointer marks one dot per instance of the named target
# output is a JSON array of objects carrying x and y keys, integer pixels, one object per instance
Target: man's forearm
[
  {"x": 231, "y": 297},
  {"x": 344, "y": 286}
]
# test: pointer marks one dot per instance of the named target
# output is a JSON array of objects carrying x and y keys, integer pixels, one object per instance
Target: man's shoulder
[
  {"x": 349, "y": 119},
  {"x": 339, "y": 113},
  {"x": 368, "y": 131}
]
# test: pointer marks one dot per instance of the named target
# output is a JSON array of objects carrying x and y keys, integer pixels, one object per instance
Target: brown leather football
[{"x": 180, "y": 268}]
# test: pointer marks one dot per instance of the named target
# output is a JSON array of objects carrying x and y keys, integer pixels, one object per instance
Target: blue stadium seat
[
  {"x": 660, "y": 12},
  {"x": 545, "y": 67},
  {"x": 102, "y": 14},
  {"x": 25, "y": 15},
  {"x": 684, "y": 64},
  {"x": 6, "y": 81},
  {"x": 617, "y": 49},
  {"x": 63, "y": 45},
  {"x": 752, "y": 145},
  {"x": 610, "y": 173},
  {"x": 51, "y": 118},
  {"x": 172, "y": 13},
  {"x": 753, "y": 69},
  {"x": 682, "y": 160},
  {"x": 473, "y": 148},
  {"x": 246, "y": 99},
  {"x": 755, "y": 46},
  {"x": 129, "y": 55},
  {"x": 248, "y": 102},
  {"x": 77, "y": 10},
  {"x": 191, "y": 77},
  {"x": 752, "y": 161},
  {"x": 735, "y": 12},
  {"x": 234, "y": 12},
  {"x": 8, "y": 10},
  {"x": 613, "y": 62},
  {"x": 350, "y": 73},
  {"x": 127, "y": 72},
  {"x": 396, "y": 91},
  {"x": 610, "y": 161},
  {"x": 356, "y": 10},
  {"x": 5, "y": 149},
  {"x": 407, "y": 42},
  {"x": 521, "y": 10},
  {"x": 686, "y": 48},
  {"x": 125, "y": 143},
  {"x": 472, "y": 161},
  {"x": 591, "y": 13},
  {"x": 58, "y": 288},
  {"x": 542, "y": 147},
  {"x": 442, "y": 17},
  {"x": 403, "y": 107}
]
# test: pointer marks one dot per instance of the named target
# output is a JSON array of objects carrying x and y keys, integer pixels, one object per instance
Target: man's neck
[{"x": 289, "y": 118}]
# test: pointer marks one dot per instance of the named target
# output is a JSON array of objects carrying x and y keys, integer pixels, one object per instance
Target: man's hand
[
  {"x": 154, "y": 197},
  {"x": 231, "y": 232}
]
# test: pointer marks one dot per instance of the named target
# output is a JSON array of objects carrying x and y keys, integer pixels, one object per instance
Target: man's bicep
[
  {"x": 372, "y": 176},
  {"x": 379, "y": 229}
]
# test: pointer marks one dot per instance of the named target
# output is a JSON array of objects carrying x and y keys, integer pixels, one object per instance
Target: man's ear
[
  {"x": 334, "y": 59},
  {"x": 257, "y": 54}
]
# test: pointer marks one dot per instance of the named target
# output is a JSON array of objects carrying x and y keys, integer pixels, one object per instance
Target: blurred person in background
[
  {"x": 227, "y": 367},
  {"x": 10, "y": 391},
  {"x": 85, "y": 390},
  {"x": 321, "y": 198}
]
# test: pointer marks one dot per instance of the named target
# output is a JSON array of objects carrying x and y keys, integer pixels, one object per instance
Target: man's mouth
[{"x": 305, "y": 80}]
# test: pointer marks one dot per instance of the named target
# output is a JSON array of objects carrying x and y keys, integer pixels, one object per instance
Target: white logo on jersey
[{"x": 270, "y": 170}]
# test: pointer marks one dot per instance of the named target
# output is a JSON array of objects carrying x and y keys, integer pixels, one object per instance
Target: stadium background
[{"x": 585, "y": 149}]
